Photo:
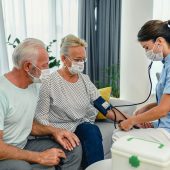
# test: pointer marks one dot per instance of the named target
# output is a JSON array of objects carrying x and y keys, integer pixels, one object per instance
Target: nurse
[{"x": 154, "y": 118}]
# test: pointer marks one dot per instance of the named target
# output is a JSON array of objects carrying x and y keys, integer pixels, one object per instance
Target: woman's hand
[{"x": 66, "y": 138}]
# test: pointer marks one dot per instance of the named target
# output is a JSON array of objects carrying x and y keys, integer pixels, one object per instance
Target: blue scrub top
[{"x": 163, "y": 87}]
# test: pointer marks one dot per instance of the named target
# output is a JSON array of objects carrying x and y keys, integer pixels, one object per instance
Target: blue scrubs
[{"x": 163, "y": 87}]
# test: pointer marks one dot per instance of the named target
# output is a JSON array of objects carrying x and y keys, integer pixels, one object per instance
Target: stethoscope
[{"x": 134, "y": 104}]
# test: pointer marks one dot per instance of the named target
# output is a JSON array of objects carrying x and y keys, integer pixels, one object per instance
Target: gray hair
[
  {"x": 27, "y": 50},
  {"x": 70, "y": 41}
]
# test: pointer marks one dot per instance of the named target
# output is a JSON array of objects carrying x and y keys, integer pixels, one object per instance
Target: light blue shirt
[
  {"x": 17, "y": 109},
  {"x": 163, "y": 87}
]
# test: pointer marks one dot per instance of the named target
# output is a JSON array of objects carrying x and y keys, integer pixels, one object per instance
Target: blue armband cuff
[{"x": 102, "y": 105}]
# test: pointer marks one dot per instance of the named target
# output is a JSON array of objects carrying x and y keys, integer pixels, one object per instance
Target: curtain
[
  {"x": 4, "y": 67},
  {"x": 14, "y": 22},
  {"x": 87, "y": 30},
  {"x": 99, "y": 25},
  {"x": 43, "y": 19}
]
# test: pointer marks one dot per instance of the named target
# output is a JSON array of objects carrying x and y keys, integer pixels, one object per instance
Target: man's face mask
[
  {"x": 76, "y": 67},
  {"x": 42, "y": 74},
  {"x": 155, "y": 54}
]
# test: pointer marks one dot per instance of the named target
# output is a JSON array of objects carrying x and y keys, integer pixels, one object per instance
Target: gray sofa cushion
[{"x": 106, "y": 127}]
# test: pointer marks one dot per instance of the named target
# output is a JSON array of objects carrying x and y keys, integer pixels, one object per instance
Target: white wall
[{"x": 134, "y": 84}]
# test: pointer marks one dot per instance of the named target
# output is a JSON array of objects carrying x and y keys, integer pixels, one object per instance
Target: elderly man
[{"x": 18, "y": 99}]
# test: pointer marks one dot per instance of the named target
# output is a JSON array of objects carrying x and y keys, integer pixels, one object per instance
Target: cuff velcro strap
[{"x": 102, "y": 105}]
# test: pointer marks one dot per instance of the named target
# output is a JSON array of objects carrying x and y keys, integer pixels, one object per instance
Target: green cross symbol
[{"x": 134, "y": 161}]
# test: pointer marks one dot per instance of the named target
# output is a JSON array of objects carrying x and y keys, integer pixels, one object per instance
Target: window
[{"x": 42, "y": 19}]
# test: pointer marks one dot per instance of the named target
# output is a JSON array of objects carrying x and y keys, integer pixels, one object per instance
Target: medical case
[{"x": 132, "y": 153}]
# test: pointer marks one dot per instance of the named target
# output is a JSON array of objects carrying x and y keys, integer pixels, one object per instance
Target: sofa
[{"x": 107, "y": 126}]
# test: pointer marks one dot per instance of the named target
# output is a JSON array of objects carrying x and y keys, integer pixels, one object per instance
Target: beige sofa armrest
[{"x": 127, "y": 109}]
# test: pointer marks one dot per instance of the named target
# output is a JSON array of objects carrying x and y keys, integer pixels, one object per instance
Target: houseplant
[
  {"x": 112, "y": 77},
  {"x": 53, "y": 62}
]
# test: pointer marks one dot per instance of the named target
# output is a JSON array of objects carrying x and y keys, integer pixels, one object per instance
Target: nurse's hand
[
  {"x": 127, "y": 124},
  {"x": 147, "y": 125}
]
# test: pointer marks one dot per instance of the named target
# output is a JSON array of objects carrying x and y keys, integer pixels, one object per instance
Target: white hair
[
  {"x": 27, "y": 50},
  {"x": 70, "y": 41}
]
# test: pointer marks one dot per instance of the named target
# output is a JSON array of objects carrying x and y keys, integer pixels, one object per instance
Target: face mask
[
  {"x": 76, "y": 67},
  {"x": 155, "y": 56},
  {"x": 44, "y": 74}
]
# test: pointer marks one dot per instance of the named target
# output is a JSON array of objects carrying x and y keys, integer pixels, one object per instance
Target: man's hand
[
  {"x": 67, "y": 139},
  {"x": 51, "y": 157}
]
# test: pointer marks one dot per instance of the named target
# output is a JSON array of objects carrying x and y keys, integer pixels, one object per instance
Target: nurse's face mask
[{"x": 155, "y": 54}]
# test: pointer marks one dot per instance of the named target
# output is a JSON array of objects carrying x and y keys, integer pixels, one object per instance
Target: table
[{"x": 101, "y": 165}]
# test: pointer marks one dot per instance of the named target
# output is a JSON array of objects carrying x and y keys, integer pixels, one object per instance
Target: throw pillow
[{"x": 105, "y": 93}]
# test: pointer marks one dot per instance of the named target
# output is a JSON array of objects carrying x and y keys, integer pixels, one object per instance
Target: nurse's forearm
[{"x": 151, "y": 115}]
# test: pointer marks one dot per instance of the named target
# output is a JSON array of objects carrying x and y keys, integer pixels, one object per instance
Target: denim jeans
[{"x": 91, "y": 141}]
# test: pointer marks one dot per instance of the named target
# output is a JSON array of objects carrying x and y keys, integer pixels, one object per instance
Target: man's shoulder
[
  {"x": 2, "y": 79},
  {"x": 35, "y": 88},
  {"x": 3, "y": 89},
  {"x": 3, "y": 84}
]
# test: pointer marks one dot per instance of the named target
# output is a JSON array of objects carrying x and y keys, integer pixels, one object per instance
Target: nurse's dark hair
[{"x": 153, "y": 29}]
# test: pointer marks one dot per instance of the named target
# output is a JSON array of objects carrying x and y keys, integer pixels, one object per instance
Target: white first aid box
[{"x": 132, "y": 153}]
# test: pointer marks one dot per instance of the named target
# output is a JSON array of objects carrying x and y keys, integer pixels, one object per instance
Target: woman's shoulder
[
  {"x": 87, "y": 80},
  {"x": 85, "y": 77},
  {"x": 50, "y": 79}
]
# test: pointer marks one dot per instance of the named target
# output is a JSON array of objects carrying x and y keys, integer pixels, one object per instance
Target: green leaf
[
  {"x": 17, "y": 40},
  {"x": 51, "y": 58},
  {"x": 54, "y": 41},
  {"x": 54, "y": 63},
  {"x": 47, "y": 48},
  {"x": 9, "y": 37},
  {"x": 58, "y": 63},
  {"x": 14, "y": 46}
]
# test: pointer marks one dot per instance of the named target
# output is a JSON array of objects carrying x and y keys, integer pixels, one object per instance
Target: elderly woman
[{"x": 66, "y": 100}]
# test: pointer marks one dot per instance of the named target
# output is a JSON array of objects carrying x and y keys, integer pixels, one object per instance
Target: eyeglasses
[{"x": 77, "y": 59}]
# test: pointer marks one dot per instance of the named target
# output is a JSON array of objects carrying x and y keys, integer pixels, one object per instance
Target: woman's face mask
[
  {"x": 76, "y": 67},
  {"x": 155, "y": 54}
]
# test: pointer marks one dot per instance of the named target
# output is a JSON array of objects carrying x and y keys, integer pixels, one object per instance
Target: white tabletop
[{"x": 100, "y": 165}]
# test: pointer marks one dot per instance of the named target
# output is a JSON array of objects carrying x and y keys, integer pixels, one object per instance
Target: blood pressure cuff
[{"x": 102, "y": 105}]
